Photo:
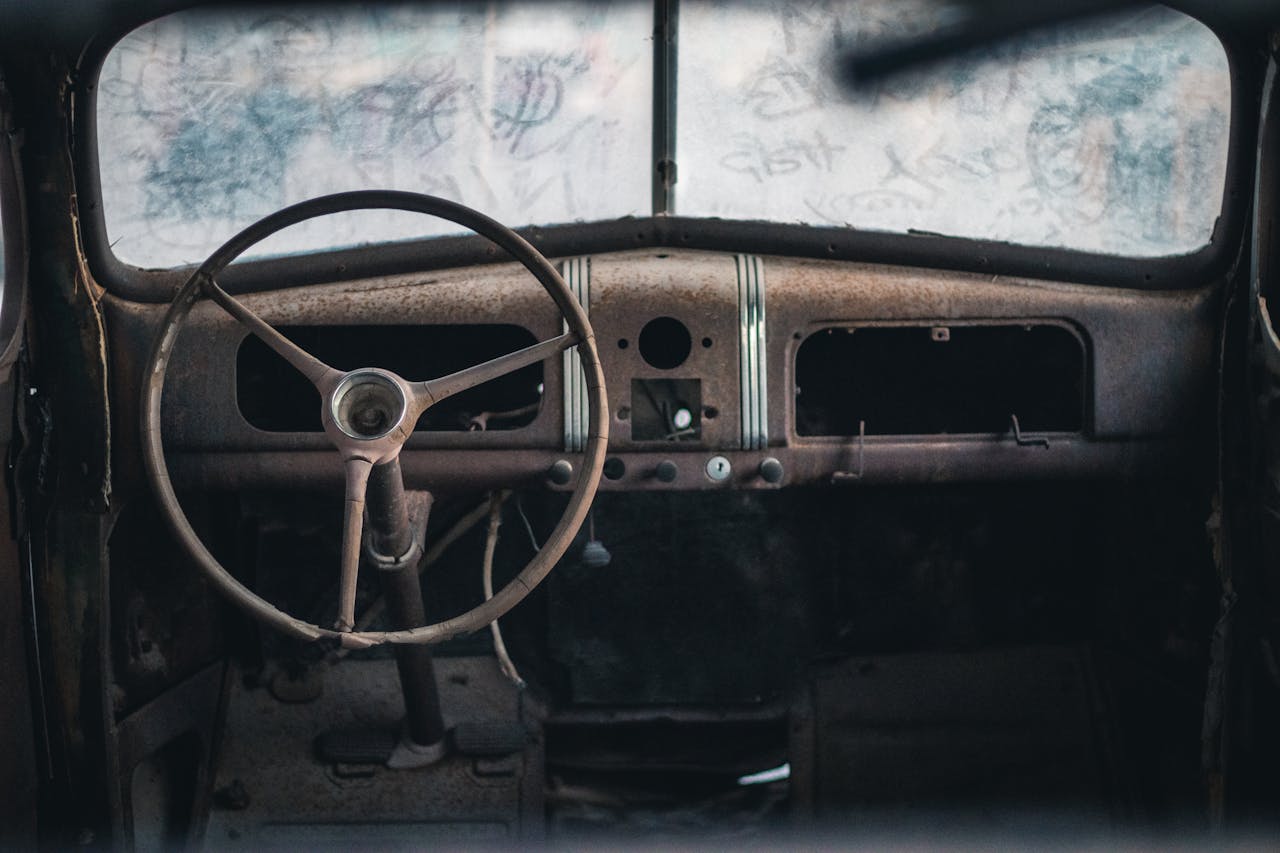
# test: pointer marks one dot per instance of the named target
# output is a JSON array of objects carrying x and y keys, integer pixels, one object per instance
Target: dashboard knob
[
  {"x": 560, "y": 472},
  {"x": 771, "y": 470},
  {"x": 666, "y": 471}
]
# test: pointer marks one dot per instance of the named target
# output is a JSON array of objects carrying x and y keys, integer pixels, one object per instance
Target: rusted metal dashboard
[{"x": 724, "y": 371}]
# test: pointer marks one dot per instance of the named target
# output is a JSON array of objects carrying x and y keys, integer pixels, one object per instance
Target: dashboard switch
[
  {"x": 771, "y": 470},
  {"x": 719, "y": 469},
  {"x": 560, "y": 472},
  {"x": 666, "y": 471},
  {"x": 614, "y": 468}
]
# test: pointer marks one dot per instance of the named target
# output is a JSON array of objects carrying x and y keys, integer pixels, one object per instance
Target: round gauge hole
[
  {"x": 665, "y": 343},
  {"x": 614, "y": 468}
]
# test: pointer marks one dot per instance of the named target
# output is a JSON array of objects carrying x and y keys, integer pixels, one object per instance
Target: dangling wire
[
  {"x": 528, "y": 528},
  {"x": 508, "y": 667}
]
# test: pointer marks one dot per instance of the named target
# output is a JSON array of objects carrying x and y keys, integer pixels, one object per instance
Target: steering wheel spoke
[
  {"x": 357, "y": 470},
  {"x": 435, "y": 390},
  {"x": 320, "y": 374}
]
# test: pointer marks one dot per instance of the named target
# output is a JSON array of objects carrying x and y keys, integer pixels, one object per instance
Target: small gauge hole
[{"x": 665, "y": 343}]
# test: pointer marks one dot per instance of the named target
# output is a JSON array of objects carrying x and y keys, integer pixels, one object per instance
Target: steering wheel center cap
[{"x": 368, "y": 404}]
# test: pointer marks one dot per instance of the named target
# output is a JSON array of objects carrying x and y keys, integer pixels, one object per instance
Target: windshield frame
[
  {"x": 13, "y": 265},
  {"x": 663, "y": 231}
]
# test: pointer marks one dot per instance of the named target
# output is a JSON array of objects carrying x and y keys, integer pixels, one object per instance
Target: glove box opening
[{"x": 940, "y": 379}]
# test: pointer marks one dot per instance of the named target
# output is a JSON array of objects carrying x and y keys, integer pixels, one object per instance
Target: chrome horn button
[{"x": 368, "y": 404}]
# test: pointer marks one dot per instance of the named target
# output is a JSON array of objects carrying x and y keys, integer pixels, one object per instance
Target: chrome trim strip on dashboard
[
  {"x": 751, "y": 352},
  {"x": 577, "y": 418}
]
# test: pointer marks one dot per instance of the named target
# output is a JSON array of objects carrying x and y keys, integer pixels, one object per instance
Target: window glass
[
  {"x": 1107, "y": 136},
  {"x": 531, "y": 113}
]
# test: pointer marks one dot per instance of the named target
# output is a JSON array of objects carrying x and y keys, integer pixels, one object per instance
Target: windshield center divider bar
[{"x": 665, "y": 14}]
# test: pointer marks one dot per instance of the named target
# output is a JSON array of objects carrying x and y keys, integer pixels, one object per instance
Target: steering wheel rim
[{"x": 201, "y": 283}]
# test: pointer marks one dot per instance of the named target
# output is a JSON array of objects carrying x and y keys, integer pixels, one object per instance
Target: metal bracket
[
  {"x": 848, "y": 476},
  {"x": 419, "y": 506},
  {"x": 1025, "y": 441}
]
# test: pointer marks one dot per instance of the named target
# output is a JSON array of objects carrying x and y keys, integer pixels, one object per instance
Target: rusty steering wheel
[{"x": 369, "y": 413}]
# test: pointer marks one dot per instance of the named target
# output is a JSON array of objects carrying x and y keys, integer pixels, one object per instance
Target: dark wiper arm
[{"x": 985, "y": 23}]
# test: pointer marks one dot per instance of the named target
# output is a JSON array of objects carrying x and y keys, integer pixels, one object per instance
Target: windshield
[
  {"x": 208, "y": 121},
  {"x": 1108, "y": 136}
]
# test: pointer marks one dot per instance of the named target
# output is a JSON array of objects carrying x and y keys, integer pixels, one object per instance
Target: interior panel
[{"x": 1118, "y": 379}]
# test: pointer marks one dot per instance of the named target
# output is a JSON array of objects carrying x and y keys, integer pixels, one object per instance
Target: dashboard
[{"x": 724, "y": 371}]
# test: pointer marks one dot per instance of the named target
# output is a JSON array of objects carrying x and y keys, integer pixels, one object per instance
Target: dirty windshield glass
[
  {"x": 531, "y": 113},
  {"x": 1105, "y": 136}
]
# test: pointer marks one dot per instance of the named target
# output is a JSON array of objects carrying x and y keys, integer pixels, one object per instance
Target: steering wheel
[{"x": 369, "y": 413}]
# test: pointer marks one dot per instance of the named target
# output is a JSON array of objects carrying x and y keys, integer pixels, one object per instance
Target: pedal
[
  {"x": 356, "y": 746},
  {"x": 489, "y": 738}
]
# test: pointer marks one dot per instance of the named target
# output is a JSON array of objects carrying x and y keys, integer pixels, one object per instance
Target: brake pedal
[
  {"x": 356, "y": 746},
  {"x": 489, "y": 738}
]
